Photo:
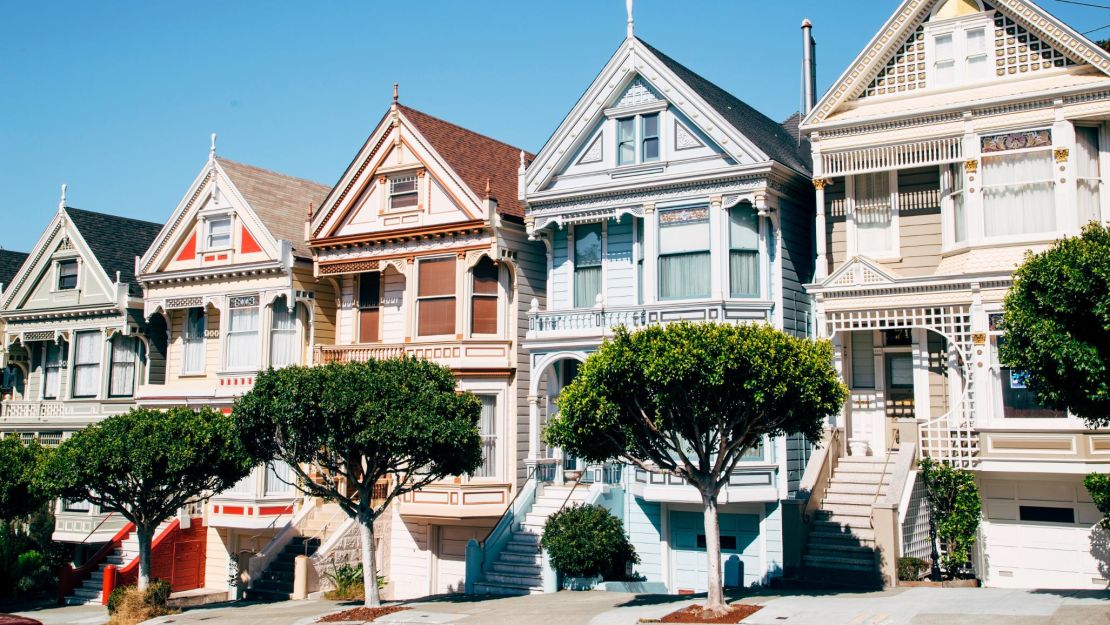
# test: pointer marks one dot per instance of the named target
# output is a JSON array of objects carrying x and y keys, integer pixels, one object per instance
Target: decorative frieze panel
[
  {"x": 684, "y": 139},
  {"x": 183, "y": 302},
  {"x": 905, "y": 71},
  {"x": 243, "y": 301},
  {"x": 638, "y": 92},
  {"x": 593, "y": 154},
  {"x": 1015, "y": 141},
  {"x": 888, "y": 157}
]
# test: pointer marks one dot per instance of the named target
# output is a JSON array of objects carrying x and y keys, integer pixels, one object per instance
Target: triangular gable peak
[
  {"x": 213, "y": 227},
  {"x": 859, "y": 271},
  {"x": 942, "y": 44},
  {"x": 417, "y": 171},
  {"x": 40, "y": 284},
  {"x": 634, "y": 80}
]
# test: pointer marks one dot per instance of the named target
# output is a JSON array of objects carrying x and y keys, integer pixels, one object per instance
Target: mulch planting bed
[
  {"x": 369, "y": 614},
  {"x": 693, "y": 614}
]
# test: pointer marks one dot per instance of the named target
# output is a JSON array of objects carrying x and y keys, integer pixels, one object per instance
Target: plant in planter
[
  {"x": 587, "y": 542},
  {"x": 954, "y": 509}
]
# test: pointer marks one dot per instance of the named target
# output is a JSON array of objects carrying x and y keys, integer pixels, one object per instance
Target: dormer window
[
  {"x": 645, "y": 148},
  {"x": 67, "y": 275},
  {"x": 403, "y": 193},
  {"x": 218, "y": 233}
]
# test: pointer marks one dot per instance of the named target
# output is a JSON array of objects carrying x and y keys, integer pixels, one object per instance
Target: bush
[
  {"x": 347, "y": 579},
  {"x": 954, "y": 509},
  {"x": 911, "y": 569},
  {"x": 158, "y": 594},
  {"x": 1098, "y": 487},
  {"x": 127, "y": 605},
  {"x": 116, "y": 598},
  {"x": 586, "y": 541}
]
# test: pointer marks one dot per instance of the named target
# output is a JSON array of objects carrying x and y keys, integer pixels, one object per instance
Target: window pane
[
  {"x": 587, "y": 286},
  {"x": 406, "y": 200},
  {"x": 55, "y": 353},
  {"x": 1087, "y": 166},
  {"x": 283, "y": 335},
  {"x": 485, "y": 277},
  {"x": 67, "y": 275},
  {"x": 899, "y": 370},
  {"x": 279, "y": 478},
  {"x": 684, "y": 276},
  {"x": 483, "y": 315},
  {"x": 193, "y": 358},
  {"x": 219, "y": 233},
  {"x": 125, "y": 355},
  {"x": 943, "y": 48},
  {"x": 626, "y": 131},
  {"x": 436, "y": 277},
  {"x": 743, "y": 232},
  {"x": 436, "y": 316},
  {"x": 743, "y": 273},
  {"x": 684, "y": 230},
  {"x": 86, "y": 364},
  {"x": 650, "y": 125},
  {"x": 954, "y": 181},
  {"x": 1018, "y": 402},
  {"x": 487, "y": 425},
  {"x": 626, "y": 141},
  {"x": 242, "y": 338},
  {"x": 651, "y": 149},
  {"x": 863, "y": 360},
  {"x": 1018, "y": 195},
  {"x": 872, "y": 213},
  {"x": 1046, "y": 514},
  {"x": 369, "y": 289},
  {"x": 976, "y": 41},
  {"x": 587, "y": 245},
  {"x": 627, "y": 153}
]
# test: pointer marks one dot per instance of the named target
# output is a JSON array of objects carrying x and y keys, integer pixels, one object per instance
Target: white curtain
[
  {"x": 86, "y": 364},
  {"x": 954, "y": 190},
  {"x": 587, "y": 265},
  {"x": 743, "y": 260},
  {"x": 242, "y": 338},
  {"x": 125, "y": 356},
  {"x": 244, "y": 486},
  {"x": 193, "y": 357},
  {"x": 684, "y": 255},
  {"x": 279, "y": 478},
  {"x": 1018, "y": 196},
  {"x": 873, "y": 213},
  {"x": 52, "y": 385},
  {"x": 1086, "y": 147},
  {"x": 487, "y": 425},
  {"x": 283, "y": 336},
  {"x": 863, "y": 359}
]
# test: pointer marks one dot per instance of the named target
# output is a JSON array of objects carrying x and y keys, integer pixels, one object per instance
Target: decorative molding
[
  {"x": 1015, "y": 141},
  {"x": 594, "y": 153},
  {"x": 638, "y": 92},
  {"x": 164, "y": 238},
  {"x": 821, "y": 183},
  {"x": 1061, "y": 155},
  {"x": 684, "y": 139},
  {"x": 971, "y": 165},
  {"x": 894, "y": 156},
  {"x": 183, "y": 302},
  {"x": 637, "y": 198},
  {"x": 346, "y": 190}
]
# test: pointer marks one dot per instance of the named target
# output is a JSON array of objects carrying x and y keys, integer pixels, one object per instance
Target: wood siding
[
  {"x": 797, "y": 267},
  {"x": 620, "y": 265}
]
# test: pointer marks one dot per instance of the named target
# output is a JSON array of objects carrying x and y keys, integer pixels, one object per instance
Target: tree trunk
[
  {"x": 145, "y": 536},
  {"x": 715, "y": 600},
  {"x": 369, "y": 567}
]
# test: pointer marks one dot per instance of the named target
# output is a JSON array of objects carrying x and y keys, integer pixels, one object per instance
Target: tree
[
  {"x": 19, "y": 467},
  {"x": 954, "y": 508},
  {"x": 689, "y": 399},
  {"x": 398, "y": 421},
  {"x": 147, "y": 464}
]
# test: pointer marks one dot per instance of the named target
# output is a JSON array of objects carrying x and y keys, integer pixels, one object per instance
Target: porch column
[
  {"x": 821, "y": 271},
  {"x": 651, "y": 235},
  {"x": 533, "y": 427}
]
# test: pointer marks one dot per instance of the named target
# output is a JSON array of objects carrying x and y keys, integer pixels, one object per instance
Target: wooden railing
[{"x": 462, "y": 352}]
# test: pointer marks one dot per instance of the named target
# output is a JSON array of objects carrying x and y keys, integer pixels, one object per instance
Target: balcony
[
  {"x": 264, "y": 499},
  {"x": 457, "y": 354},
  {"x": 600, "y": 322},
  {"x": 751, "y": 483},
  {"x": 80, "y": 522},
  {"x": 62, "y": 414},
  {"x": 462, "y": 500}
]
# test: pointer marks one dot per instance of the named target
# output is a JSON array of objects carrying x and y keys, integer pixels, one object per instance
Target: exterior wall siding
[
  {"x": 644, "y": 524},
  {"x": 797, "y": 267},
  {"x": 620, "y": 267},
  {"x": 773, "y": 540},
  {"x": 561, "y": 267}
]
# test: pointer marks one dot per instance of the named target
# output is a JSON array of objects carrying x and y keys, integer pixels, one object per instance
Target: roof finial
[
  {"x": 522, "y": 160},
  {"x": 62, "y": 200},
  {"x": 309, "y": 211},
  {"x": 487, "y": 187},
  {"x": 395, "y": 93},
  {"x": 628, "y": 7},
  {"x": 212, "y": 148}
]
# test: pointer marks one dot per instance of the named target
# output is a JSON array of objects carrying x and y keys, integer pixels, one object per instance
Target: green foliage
[
  {"x": 347, "y": 579},
  {"x": 1098, "y": 486},
  {"x": 911, "y": 569},
  {"x": 585, "y": 541},
  {"x": 955, "y": 508},
  {"x": 20, "y": 465},
  {"x": 1057, "y": 323},
  {"x": 116, "y": 598},
  {"x": 29, "y": 559}
]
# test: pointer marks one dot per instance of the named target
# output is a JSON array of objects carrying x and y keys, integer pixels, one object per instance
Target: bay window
[
  {"x": 242, "y": 333},
  {"x": 483, "y": 297},
  {"x": 743, "y": 255},
  {"x": 124, "y": 364},
  {"x": 1087, "y": 173},
  {"x": 435, "y": 296},
  {"x": 53, "y": 361},
  {"x": 684, "y": 257},
  {"x": 86, "y": 364},
  {"x": 192, "y": 357},
  {"x": 283, "y": 334},
  {"x": 1018, "y": 193},
  {"x": 587, "y": 264},
  {"x": 487, "y": 426},
  {"x": 369, "y": 307},
  {"x": 218, "y": 235},
  {"x": 873, "y": 213}
]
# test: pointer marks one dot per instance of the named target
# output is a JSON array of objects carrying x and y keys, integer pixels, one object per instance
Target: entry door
[
  {"x": 188, "y": 566},
  {"x": 740, "y": 561},
  {"x": 451, "y": 556}
]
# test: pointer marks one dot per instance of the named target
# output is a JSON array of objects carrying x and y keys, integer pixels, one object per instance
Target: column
[
  {"x": 719, "y": 225},
  {"x": 533, "y": 428},
  {"x": 822, "y": 269},
  {"x": 651, "y": 236}
]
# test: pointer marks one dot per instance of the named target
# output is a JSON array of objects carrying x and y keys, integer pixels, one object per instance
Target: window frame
[
  {"x": 734, "y": 247},
  {"x": 112, "y": 363},
  {"x": 59, "y": 367},
  {"x": 453, "y": 296},
  {"x": 394, "y": 193},
  {"x": 77, "y": 366},
  {"x": 659, "y": 254},
  {"x": 363, "y": 306},
  {"x": 958, "y": 28},
  {"x": 58, "y": 276},
  {"x": 638, "y": 139},
  {"x": 984, "y": 185},
  {"x": 295, "y": 332},
  {"x": 209, "y": 223},
  {"x": 895, "y": 251},
  {"x": 187, "y": 338},
  {"x": 645, "y": 137},
  {"x": 572, "y": 242},
  {"x": 493, "y": 472},
  {"x": 232, "y": 308},
  {"x": 476, "y": 295}
]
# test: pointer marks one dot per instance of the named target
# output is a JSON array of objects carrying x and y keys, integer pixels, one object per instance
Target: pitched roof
[
  {"x": 10, "y": 262},
  {"x": 280, "y": 201},
  {"x": 764, "y": 132},
  {"x": 475, "y": 158},
  {"x": 115, "y": 241}
]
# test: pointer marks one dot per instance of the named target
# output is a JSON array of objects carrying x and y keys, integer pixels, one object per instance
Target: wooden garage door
[
  {"x": 451, "y": 556},
  {"x": 188, "y": 566},
  {"x": 740, "y": 550}
]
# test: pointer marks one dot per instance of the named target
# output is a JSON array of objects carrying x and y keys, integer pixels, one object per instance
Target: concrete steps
[{"x": 90, "y": 592}]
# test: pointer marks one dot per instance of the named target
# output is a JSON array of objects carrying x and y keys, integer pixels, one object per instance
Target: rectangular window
[
  {"x": 86, "y": 364},
  {"x": 953, "y": 176},
  {"x": 192, "y": 359},
  {"x": 863, "y": 359},
  {"x": 67, "y": 275},
  {"x": 283, "y": 335},
  {"x": 873, "y": 213},
  {"x": 242, "y": 334},
  {"x": 1088, "y": 173},
  {"x": 125, "y": 361},
  {"x": 743, "y": 256},
  {"x": 54, "y": 360},
  {"x": 436, "y": 297},
  {"x": 1018, "y": 195},
  {"x": 487, "y": 425},
  {"x": 684, "y": 253},
  {"x": 369, "y": 307},
  {"x": 1046, "y": 514},
  {"x": 219, "y": 234},
  {"x": 483, "y": 299},
  {"x": 976, "y": 59},
  {"x": 899, "y": 370},
  {"x": 944, "y": 59},
  {"x": 403, "y": 193},
  {"x": 587, "y": 265},
  {"x": 649, "y": 137},
  {"x": 279, "y": 478},
  {"x": 626, "y": 141}
]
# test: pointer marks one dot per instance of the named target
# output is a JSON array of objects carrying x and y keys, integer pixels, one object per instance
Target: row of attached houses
[{"x": 887, "y": 217}]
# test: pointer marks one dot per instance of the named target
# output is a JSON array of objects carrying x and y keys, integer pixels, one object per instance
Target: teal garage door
[{"x": 739, "y": 550}]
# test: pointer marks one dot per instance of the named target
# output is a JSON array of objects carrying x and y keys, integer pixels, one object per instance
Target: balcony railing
[
  {"x": 464, "y": 353},
  {"x": 77, "y": 409},
  {"x": 603, "y": 320}
]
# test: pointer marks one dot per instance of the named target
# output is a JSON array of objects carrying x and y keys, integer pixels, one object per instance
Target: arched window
[
  {"x": 483, "y": 302},
  {"x": 283, "y": 334}
]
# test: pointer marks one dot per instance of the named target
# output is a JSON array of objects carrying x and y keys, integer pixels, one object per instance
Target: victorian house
[
  {"x": 660, "y": 197},
  {"x": 76, "y": 346},
  {"x": 966, "y": 134},
  {"x": 423, "y": 242},
  {"x": 229, "y": 292}
]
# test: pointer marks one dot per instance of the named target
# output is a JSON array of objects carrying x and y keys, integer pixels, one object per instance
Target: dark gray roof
[
  {"x": 764, "y": 132},
  {"x": 115, "y": 241},
  {"x": 793, "y": 126},
  {"x": 10, "y": 262}
]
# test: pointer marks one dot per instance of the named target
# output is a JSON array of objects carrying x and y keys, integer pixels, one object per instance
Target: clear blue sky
[{"x": 118, "y": 98}]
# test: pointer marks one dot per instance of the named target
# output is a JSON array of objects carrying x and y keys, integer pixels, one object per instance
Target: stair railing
[
  {"x": 509, "y": 514},
  {"x": 322, "y": 532}
]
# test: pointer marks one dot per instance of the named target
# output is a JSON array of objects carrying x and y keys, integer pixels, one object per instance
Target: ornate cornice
[{"x": 607, "y": 202}]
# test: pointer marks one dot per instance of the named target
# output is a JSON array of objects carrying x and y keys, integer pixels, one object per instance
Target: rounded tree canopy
[{"x": 20, "y": 465}]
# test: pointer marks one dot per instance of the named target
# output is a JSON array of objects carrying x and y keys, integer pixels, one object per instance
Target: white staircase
[
  {"x": 841, "y": 548},
  {"x": 91, "y": 591},
  {"x": 518, "y": 568}
]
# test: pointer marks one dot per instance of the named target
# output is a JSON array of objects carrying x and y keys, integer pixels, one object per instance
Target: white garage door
[
  {"x": 1037, "y": 534},
  {"x": 451, "y": 556}
]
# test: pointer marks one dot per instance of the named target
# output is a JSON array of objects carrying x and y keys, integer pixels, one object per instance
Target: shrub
[
  {"x": 128, "y": 605},
  {"x": 1098, "y": 487},
  {"x": 585, "y": 541},
  {"x": 911, "y": 569},
  {"x": 954, "y": 509},
  {"x": 347, "y": 579},
  {"x": 158, "y": 594},
  {"x": 116, "y": 598}
]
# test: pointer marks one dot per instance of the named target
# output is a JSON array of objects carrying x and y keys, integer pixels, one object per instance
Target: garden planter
[{"x": 580, "y": 583}]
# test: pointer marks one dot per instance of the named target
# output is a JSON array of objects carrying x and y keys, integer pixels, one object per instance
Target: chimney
[{"x": 809, "y": 68}]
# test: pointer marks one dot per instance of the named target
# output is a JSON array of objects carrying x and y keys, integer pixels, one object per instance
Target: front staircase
[
  {"x": 91, "y": 591},
  {"x": 841, "y": 549},
  {"x": 518, "y": 569},
  {"x": 276, "y": 583}
]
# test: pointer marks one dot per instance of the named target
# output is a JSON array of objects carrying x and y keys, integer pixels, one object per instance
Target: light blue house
[{"x": 660, "y": 197}]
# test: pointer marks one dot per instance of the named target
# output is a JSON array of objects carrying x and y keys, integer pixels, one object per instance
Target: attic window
[
  {"x": 402, "y": 193},
  {"x": 645, "y": 147},
  {"x": 67, "y": 275},
  {"x": 218, "y": 236}
]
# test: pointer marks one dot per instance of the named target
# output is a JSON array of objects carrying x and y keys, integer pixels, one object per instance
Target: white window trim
[
  {"x": 389, "y": 194},
  {"x": 637, "y": 115},
  {"x": 208, "y": 220},
  {"x": 895, "y": 253},
  {"x": 980, "y": 215},
  {"x": 762, "y": 232},
  {"x": 958, "y": 28},
  {"x": 574, "y": 266},
  {"x": 72, "y": 373},
  {"x": 57, "y": 274},
  {"x": 298, "y": 334},
  {"x": 203, "y": 342},
  {"x": 225, "y": 321},
  {"x": 417, "y": 298},
  {"x": 62, "y": 367},
  {"x": 659, "y": 233}
]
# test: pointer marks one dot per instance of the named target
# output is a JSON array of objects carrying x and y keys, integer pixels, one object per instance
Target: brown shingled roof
[
  {"x": 475, "y": 158},
  {"x": 280, "y": 201}
]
